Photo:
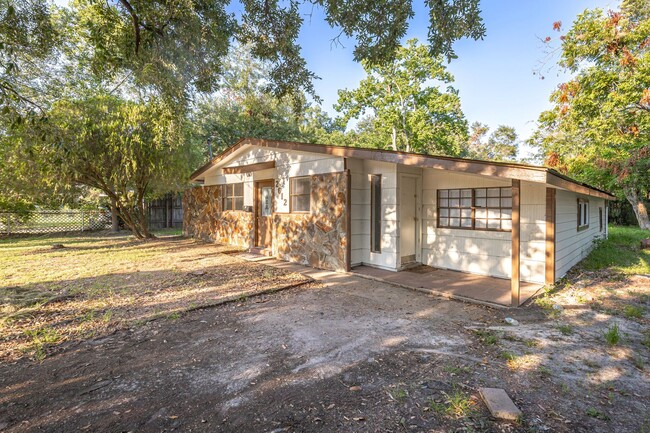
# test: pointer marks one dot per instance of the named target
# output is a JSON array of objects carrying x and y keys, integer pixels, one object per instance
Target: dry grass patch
[{"x": 98, "y": 283}]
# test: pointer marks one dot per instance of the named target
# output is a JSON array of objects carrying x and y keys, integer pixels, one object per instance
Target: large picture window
[
  {"x": 300, "y": 192},
  {"x": 375, "y": 213},
  {"x": 232, "y": 196},
  {"x": 583, "y": 214},
  {"x": 475, "y": 208}
]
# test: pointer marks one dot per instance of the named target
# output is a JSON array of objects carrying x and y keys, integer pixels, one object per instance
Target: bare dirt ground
[{"x": 349, "y": 355}]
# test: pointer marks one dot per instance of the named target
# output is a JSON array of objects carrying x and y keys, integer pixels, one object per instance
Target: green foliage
[
  {"x": 621, "y": 251},
  {"x": 599, "y": 127},
  {"x": 613, "y": 335},
  {"x": 408, "y": 113},
  {"x": 502, "y": 144},
  {"x": 128, "y": 150}
]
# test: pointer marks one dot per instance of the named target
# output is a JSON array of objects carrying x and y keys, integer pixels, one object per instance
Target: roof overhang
[{"x": 524, "y": 172}]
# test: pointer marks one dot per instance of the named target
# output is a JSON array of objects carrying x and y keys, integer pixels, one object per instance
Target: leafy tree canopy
[
  {"x": 176, "y": 47},
  {"x": 599, "y": 127},
  {"x": 501, "y": 145},
  {"x": 409, "y": 111}
]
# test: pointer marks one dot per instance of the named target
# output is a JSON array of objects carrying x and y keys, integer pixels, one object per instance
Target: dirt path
[{"x": 346, "y": 354}]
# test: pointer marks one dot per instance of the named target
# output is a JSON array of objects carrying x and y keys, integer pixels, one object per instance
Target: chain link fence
[{"x": 54, "y": 221}]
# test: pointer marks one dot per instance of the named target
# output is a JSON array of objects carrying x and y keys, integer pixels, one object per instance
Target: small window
[
  {"x": 232, "y": 196},
  {"x": 300, "y": 192},
  {"x": 600, "y": 218},
  {"x": 583, "y": 214},
  {"x": 375, "y": 213},
  {"x": 455, "y": 208}
]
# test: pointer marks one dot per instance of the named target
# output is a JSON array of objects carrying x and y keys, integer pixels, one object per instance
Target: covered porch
[{"x": 453, "y": 284}]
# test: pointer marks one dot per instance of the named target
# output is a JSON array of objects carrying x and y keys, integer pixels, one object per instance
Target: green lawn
[{"x": 621, "y": 252}]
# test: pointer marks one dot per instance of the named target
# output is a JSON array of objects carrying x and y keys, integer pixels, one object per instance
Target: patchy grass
[
  {"x": 613, "y": 335},
  {"x": 100, "y": 282},
  {"x": 488, "y": 338},
  {"x": 565, "y": 329},
  {"x": 633, "y": 312},
  {"x": 621, "y": 252}
]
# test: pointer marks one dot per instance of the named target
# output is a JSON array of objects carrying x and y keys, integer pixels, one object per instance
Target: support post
[
  {"x": 515, "y": 287},
  {"x": 550, "y": 236}
]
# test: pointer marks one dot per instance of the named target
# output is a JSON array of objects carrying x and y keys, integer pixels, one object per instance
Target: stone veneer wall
[
  {"x": 320, "y": 238},
  {"x": 204, "y": 219}
]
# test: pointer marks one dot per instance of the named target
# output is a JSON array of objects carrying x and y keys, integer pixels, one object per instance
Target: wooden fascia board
[
  {"x": 559, "y": 182},
  {"x": 249, "y": 168}
]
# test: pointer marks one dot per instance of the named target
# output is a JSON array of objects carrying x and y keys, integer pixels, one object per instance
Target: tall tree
[
  {"x": 410, "y": 112},
  {"x": 501, "y": 145},
  {"x": 128, "y": 150},
  {"x": 175, "y": 47},
  {"x": 599, "y": 127}
]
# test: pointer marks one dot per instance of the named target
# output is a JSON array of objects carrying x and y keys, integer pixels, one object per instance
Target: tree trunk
[
  {"x": 394, "y": 138},
  {"x": 640, "y": 209},
  {"x": 115, "y": 220}
]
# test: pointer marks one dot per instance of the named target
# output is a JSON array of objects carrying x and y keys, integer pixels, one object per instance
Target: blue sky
[{"x": 494, "y": 76}]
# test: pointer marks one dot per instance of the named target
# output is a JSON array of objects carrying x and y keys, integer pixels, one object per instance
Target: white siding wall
[
  {"x": 573, "y": 245},
  {"x": 287, "y": 164},
  {"x": 360, "y": 171},
  {"x": 533, "y": 232},
  {"x": 476, "y": 251}
]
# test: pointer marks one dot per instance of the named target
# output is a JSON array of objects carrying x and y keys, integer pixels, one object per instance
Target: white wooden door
[{"x": 408, "y": 219}]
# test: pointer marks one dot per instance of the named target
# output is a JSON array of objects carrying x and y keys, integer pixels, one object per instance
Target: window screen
[
  {"x": 583, "y": 214},
  {"x": 300, "y": 191}
]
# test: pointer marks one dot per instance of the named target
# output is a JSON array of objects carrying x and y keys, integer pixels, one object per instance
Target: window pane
[
  {"x": 443, "y": 193},
  {"x": 454, "y": 213},
  {"x": 454, "y": 202},
  {"x": 506, "y": 202},
  {"x": 444, "y": 212},
  {"x": 506, "y": 214},
  {"x": 466, "y": 222},
  {"x": 493, "y": 202},
  {"x": 494, "y": 213},
  {"x": 300, "y": 203},
  {"x": 494, "y": 192},
  {"x": 238, "y": 189},
  {"x": 506, "y": 225},
  {"x": 494, "y": 224},
  {"x": 444, "y": 202},
  {"x": 239, "y": 203},
  {"x": 454, "y": 222},
  {"x": 480, "y": 223},
  {"x": 301, "y": 185},
  {"x": 465, "y": 202},
  {"x": 480, "y": 192},
  {"x": 454, "y": 193},
  {"x": 227, "y": 204},
  {"x": 506, "y": 192},
  {"x": 466, "y": 213},
  {"x": 466, "y": 193},
  {"x": 480, "y": 213},
  {"x": 444, "y": 222}
]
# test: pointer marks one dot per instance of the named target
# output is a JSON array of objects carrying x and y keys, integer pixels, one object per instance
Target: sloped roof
[{"x": 507, "y": 170}]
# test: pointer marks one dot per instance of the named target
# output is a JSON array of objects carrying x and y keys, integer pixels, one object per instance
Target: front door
[
  {"x": 408, "y": 219},
  {"x": 263, "y": 213}
]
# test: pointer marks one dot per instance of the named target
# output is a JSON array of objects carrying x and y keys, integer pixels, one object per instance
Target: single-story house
[{"x": 336, "y": 207}]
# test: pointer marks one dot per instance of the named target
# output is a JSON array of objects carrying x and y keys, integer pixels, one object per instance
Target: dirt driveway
[{"x": 344, "y": 354}]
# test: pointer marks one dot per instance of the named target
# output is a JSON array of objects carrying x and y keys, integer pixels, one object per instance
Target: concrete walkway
[{"x": 478, "y": 289}]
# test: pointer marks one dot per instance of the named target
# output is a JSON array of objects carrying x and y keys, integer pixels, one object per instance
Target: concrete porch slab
[{"x": 452, "y": 284}]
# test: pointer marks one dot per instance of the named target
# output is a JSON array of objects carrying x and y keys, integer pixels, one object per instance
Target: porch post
[
  {"x": 515, "y": 288},
  {"x": 550, "y": 236}
]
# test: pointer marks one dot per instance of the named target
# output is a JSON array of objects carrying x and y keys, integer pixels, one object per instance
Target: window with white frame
[
  {"x": 583, "y": 214},
  {"x": 300, "y": 193}
]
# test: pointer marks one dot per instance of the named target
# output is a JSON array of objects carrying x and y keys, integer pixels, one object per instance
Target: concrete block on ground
[{"x": 500, "y": 405}]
